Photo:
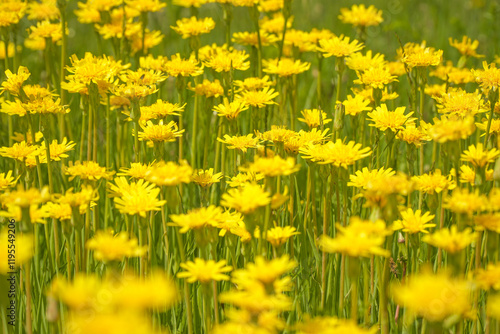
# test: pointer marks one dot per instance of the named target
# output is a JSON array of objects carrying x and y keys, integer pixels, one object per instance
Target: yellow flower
[
  {"x": 355, "y": 105},
  {"x": 160, "y": 133},
  {"x": 14, "y": 82},
  {"x": 241, "y": 143},
  {"x": 360, "y": 16},
  {"x": 434, "y": 296},
  {"x": 488, "y": 278},
  {"x": 88, "y": 170},
  {"x": 451, "y": 128},
  {"x": 253, "y": 83},
  {"x": 367, "y": 94},
  {"x": 19, "y": 151},
  {"x": 314, "y": 118},
  {"x": 23, "y": 244},
  {"x": 258, "y": 98},
  {"x": 489, "y": 78},
  {"x": 263, "y": 271},
  {"x": 488, "y": 221},
  {"x": 189, "y": 27},
  {"x": 384, "y": 119},
  {"x": 465, "y": 202},
  {"x": 278, "y": 235},
  {"x": 79, "y": 199},
  {"x": 230, "y": 110},
  {"x": 339, "y": 46},
  {"x": 459, "y": 102},
  {"x": 451, "y": 240},
  {"x": 109, "y": 247},
  {"x": 246, "y": 199},
  {"x": 79, "y": 294},
  {"x": 178, "y": 66},
  {"x": 136, "y": 170},
  {"x": 361, "y": 178},
  {"x": 478, "y": 157},
  {"x": 146, "y": 5},
  {"x": 227, "y": 60},
  {"x": 251, "y": 38},
  {"x": 272, "y": 166},
  {"x": 189, "y": 3},
  {"x": 25, "y": 198},
  {"x": 338, "y": 153},
  {"x": 208, "y": 88},
  {"x": 169, "y": 174},
  {"x": 162, "y": 109},
  {"x": 330, "y": 325},
  {"x": 413, "y": 135},
  {"x": 204, "y": 271},
  {"x": 44, "y": 30},
  {"x": 285, "y": 67},
  {"x": 433, "y": 182},
  {"x": 468, "y": 175},
  {"x": 359, "y": 62},
  {"x": 13, "y": 108},
  {"x": 493, "y": 307},
  {"x": 375, "y": 77},
  {"x": 359, "y": 239},
  {"x": 380, "y": 188},
  {"x": 277, "y": 134},
  {"x": 44, "y": 10},
  {"x": 58, "y": 151},
  {"x": 136, "y": 198},
  {"x": 414, "y": 221},
  {"x": 117, "y": 322},
  {"x": 466, "y": 47},
  {"x": 421, "y": 56},
  {"x": 197, "y": 218},
  {"x": 7, "y": 180},
  {"x": 241, "y": 179},
  {"x": 205, "y": 178}
]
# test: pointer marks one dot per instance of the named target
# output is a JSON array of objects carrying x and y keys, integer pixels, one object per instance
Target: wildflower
[
  {"x": 488, "y": 78},
  {"x": 384, "y": 119},
  {"x": 188, "y": 27},
  {"x": 88, "y": 170},
  {"x": 160, "y": 132},
  {"x": 136, "y": 198},
  {"x": 466, "y": 47},
  {"x": 137, "y": 170},
  {"x": 44, "y": 10},
  {"x": 264, "y": 271},
  {"x": 278, "y": 235},
  {"x": 360, "y": 16},
  {"x": 272, "y": 166},
  {"x": 7, "y": 180},
  {"x": 197, "y": 218},
  {"x": 81, "y": 199},
  {"x": 433, "y": 182},
  {"x": 414, "y": 221},
  {"x": 246, "y": 199},
  {"x": 465, "y": 202},
  {"x": 14, "y": 82},
  {"x": 228, "y": 60},
  {"x": 45, "y": 30},
  {"x": 24, "y": 251},
  {"x": 146, "y": 6},
  {"x": 162, "y": 109},
  {"x": 459, "y": 102},
  {"x": 189, "y": 3},
  {"x": 338, "y": 153},
  {"x": 359, "y": 239},
  {"x": 18, "y": 151},
  {"x": 241, "y": 143},
  {"x": 285, "y": 67},
  {"x": 25, "y": 198},
  {"x": 78, "y": 294},
  {"x": 362, "y": 178},
  {"x": 451, "y": 240},
  {"x": 230, "y": 110},
  {"x": 488, "y": 221},
  {"x": 488, "y": 278},
  {"x": 451, "y": 128},
  {"x": 252, "y": 39},
  {"x": 58, "y": 151},
  {"x": 169, "y": 173},
  {"x": 434, "y": 296},
  {"x": 277, "y": 134},
  {"x": 421, "y": 56},
  {"x": 109, "y": 247},
  {"x": 379, "y": 189},
  {"x": 314, "y": 118},
  {"x": 375, "y": 77},
  {"x": 367, "y": 94},
  {"x": 413, "y": 135},
  {"x": 478, "y": 157},
  {"x": 241, "y": 179},
  {"x": 204, "y": 271},
  {"x": 178, "y": 66},
  {"x": 355, "y": 105},
  {"x": 493, "y": 308},
  {"x": 359, "y": 62},
  {"x": 258, "y": 98},
  {"x": 205, "y": 178},
  {"x": 339, "y": 46},
  {"x": 208, "y": 88},
  {"x": 252, "y": 84}
]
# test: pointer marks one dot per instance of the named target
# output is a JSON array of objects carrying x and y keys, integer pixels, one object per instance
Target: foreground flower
[
  {"x": 434, "y": 296},
  {"x": 23, "y": 244},
  {"x": 285, "y": 67},
  {"x": 14, "y": 82},
  {"x": 384, "y": 119},
  {"x": 230, "y": 110},
  {"x": 109, "y": 247},
  {"x": 414, "y": 221},
  {"x": 272, "y": 166},
  {"x": 204, "y": 271},
  {"x": 331, "y": 325},
  {"x": 246, "y": 199},
  {"x": 136, "y": 198},
  {"x": 205, "y": 178},
  {"x": 160, "y": 133}
]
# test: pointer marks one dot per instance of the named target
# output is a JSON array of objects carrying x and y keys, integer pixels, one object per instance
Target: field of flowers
[{"x": 249, "y": 166}]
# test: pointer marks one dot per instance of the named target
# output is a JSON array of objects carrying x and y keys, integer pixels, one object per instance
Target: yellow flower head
[
  {"x": 197, "y": 218},
  {"x": 160, "y": 133},
  {"x": 79, "y": 199},
  {"x": 25, "y": 198},
  {"x": 178, "y": 66},
  {"x": 169, "y": 173},
  {"x": 493, "y": 307},
  {"x": 253, "y": 83},
  {"x": 314, "y": 118},
  {"x": 258, "y": 98},
  {"x": 230, "y": 110},
  {"x": 414, "y": 221},
  {"x": 375, "y": 77},
  {"x": 355, "y": 105},
  {"x": 263, "y": 271},
  {"x": 488, "y": 278},
  {"x": 488, "y": 221},
  {"x": 360, "y": 16},
  {"x": 272, "y": 166},
  {"x": 433, "y": 182},
  {"x": 146, "y": 5},
  {"x": 285, "y": 67},
  {"x": 359, "y": 239},
  {"x": 465, "y": 202},
  {"x": 204, "y": 271},
  {"x": 420, "y": 56},
  {"x": 162, "y": 109},
  {"x": 205, "y": 178},
  {"x": 189, "y": 27},
  {"x": 227, "y": 60},
  {"x": 459, "y": 102},
  {"x": 451, "y": 128},
  {"x": 359, "y": 62},
  {"x": 434, "y": 297},
  {"x": 246, "y": 199},
  {"x": 339, "y": 46},
  {"x": 7, "y": 180},
  {"x": 384, "y": 119},
  {"x": 241, "y": 143},
  {"x": 466, "y": 47},
  {"x": 136, "y": 170},
  {"x": 328, "y": 325},
  {"x": 23, "y": 250},
  {"x": 14, "y": 82},
  {"x": 135, "y": 198},
  {"x": 88, "y": 170},
  {"x": 278, "y": 235},
  {"x": 19, "y": 151},
  {"x": 451, "y": 240},
  {"x": 58, "y": 151},
  {"x": 189, "y": 3},
  {"x": 208, "y": 88},
  {"x": 488, "y": 78},
  {"x": 361, "y": 178},
  {"x": 413, "y": 135},
  {"x": 110, "y": 247},
  {"x": 338, "y": 153},
  {"x": 252, "y": 39},
  {"x": 478, "y": 157}
]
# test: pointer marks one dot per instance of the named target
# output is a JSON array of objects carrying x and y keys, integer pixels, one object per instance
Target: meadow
[{"x": 249, "y": 166}]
